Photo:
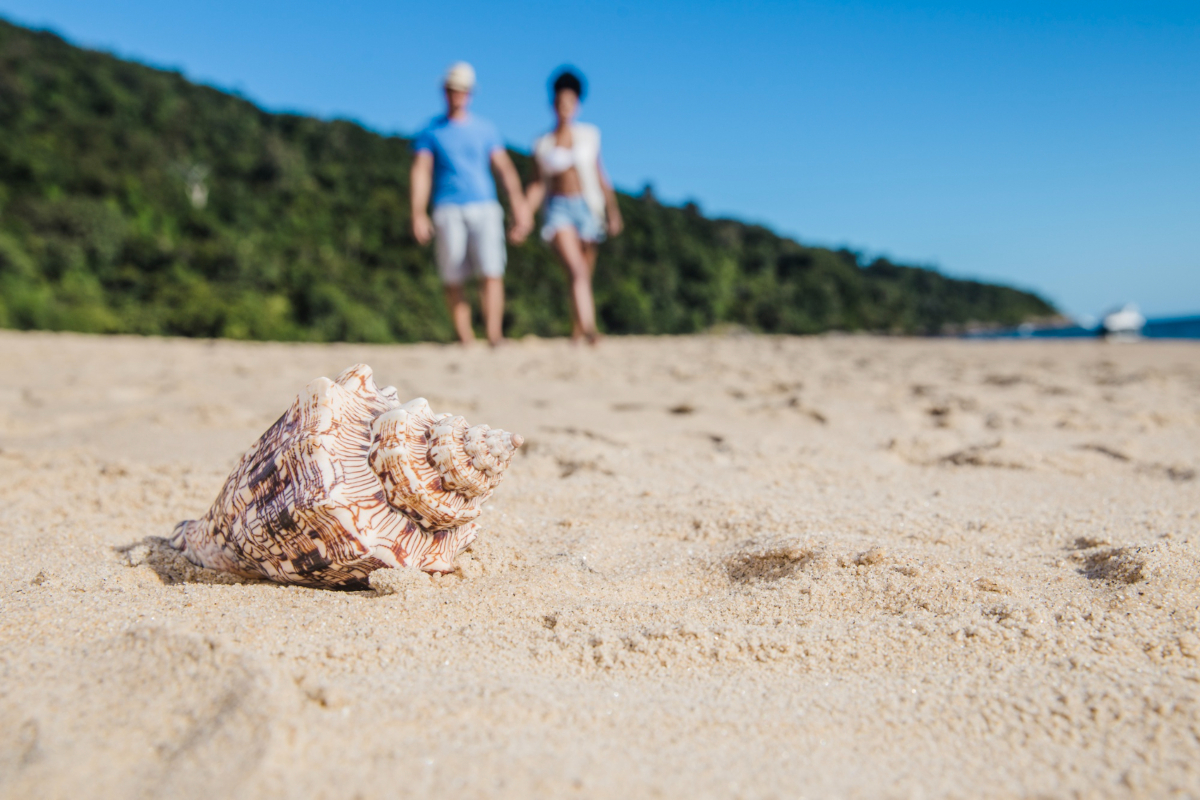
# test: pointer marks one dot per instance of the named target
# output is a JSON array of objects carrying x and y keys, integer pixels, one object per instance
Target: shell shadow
[{"x": 171, "y": 566}]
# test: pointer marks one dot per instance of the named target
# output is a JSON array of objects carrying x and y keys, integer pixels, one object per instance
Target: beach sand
[{"x": 721, "y": 567}]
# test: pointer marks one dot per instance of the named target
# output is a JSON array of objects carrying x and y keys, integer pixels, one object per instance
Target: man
[{"x": 454, "y": 158}]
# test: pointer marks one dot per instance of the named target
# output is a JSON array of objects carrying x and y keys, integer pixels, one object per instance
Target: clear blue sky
[{"x": 1050, "y": 145}]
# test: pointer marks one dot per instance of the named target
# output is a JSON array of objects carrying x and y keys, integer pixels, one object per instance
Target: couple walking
[{"x": 452, "y": 166}]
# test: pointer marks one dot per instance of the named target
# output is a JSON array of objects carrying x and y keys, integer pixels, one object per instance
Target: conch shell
[{"x": 349, "y": 481}]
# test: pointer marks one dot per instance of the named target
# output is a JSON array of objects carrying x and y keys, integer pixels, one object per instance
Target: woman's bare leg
[
  {"x": 590, "y": 251},
  {"x": 570, "y": 251},
  {"x": 589, "y": 255}
]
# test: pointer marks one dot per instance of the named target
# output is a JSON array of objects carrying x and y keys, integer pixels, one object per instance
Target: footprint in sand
[{"x": 145, "y": 714}]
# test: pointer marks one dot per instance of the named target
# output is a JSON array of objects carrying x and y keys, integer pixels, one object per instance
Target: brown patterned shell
[{"x": 349, "y": 481}]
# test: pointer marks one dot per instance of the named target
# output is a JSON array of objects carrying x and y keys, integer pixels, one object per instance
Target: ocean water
[
  {"x": 1160, "y": 328},
  {"x": 1173, "y": 328}
]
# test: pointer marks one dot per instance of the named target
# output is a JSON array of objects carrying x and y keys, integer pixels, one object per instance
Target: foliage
[{"x": 132, "y": 200}]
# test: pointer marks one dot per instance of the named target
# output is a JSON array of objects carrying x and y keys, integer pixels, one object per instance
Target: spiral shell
[{"x": 348, "y": 481}]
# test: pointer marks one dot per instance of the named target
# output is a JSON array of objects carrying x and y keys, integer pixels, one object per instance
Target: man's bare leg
[
  {"x": 460, "y": 312},
  {"x": 493, "y": 310},
  {"x": 570, "y": 251}
]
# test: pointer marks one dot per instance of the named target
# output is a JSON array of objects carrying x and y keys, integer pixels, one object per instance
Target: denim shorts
[{"x": 573, "y": 212}]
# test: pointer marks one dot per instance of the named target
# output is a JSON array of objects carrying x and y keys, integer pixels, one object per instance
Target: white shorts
[{"x": 470, "y": 239}]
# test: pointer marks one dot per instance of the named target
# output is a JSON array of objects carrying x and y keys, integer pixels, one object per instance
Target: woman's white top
[
  {"x": 556, "y": 161},
  {"x": 583, "y": 155}
]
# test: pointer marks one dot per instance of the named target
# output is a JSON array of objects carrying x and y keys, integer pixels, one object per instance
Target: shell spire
[
  {"x": 349, "y": 481},
  {"x": 435, "y": 468}
]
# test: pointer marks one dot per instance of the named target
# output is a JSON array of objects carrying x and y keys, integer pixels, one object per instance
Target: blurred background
[{"x": 787, "y": 167}]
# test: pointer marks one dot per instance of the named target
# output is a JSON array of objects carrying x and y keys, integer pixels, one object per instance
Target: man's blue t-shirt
[{"x": 462, "y": 159}]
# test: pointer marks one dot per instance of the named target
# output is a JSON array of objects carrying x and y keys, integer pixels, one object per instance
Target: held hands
[
  {"x": 522, "y": 223},
  {"x": 518, "y": 233},
  {"x": 422, "y": 228}
]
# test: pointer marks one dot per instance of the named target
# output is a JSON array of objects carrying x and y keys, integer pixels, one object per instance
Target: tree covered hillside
[{"x": 132, "y": 200}]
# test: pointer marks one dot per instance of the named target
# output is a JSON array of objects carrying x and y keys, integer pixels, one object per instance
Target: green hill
[{"x": 134, "y": 201}]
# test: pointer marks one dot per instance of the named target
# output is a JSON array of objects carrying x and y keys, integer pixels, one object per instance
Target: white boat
[{"x": 1124, "y": 324}]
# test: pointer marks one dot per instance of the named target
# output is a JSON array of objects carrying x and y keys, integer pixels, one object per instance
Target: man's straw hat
[{"x": 460, "y": 76}]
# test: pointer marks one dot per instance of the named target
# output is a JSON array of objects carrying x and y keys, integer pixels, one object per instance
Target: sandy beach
[{"x": 739, "y": 566}]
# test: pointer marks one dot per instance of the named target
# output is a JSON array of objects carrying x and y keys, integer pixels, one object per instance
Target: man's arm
[
  {"x": 421, "y": 182},
  {"x": 523, "y": 219}
]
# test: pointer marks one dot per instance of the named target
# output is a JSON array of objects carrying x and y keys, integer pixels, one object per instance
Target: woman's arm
[
  {"x": 535, "y": 192},
  {"x": 613, "y": 211}
]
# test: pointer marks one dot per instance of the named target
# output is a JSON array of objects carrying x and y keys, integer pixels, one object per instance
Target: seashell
[{"x": 349, "y": 481}]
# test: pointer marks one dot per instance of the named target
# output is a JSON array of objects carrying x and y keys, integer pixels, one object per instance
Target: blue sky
[{"x": 1049, "y": 145}]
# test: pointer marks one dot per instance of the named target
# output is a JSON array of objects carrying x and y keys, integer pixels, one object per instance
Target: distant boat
[
  {"x": 1124, "y": 324},
  {"x": 1120, "y": 325}
]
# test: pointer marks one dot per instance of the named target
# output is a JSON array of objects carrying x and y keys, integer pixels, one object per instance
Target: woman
[{"x": 580, "y": 203}]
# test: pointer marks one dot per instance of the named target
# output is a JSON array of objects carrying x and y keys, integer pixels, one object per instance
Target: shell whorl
[{"x": 435, "y": 468}]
